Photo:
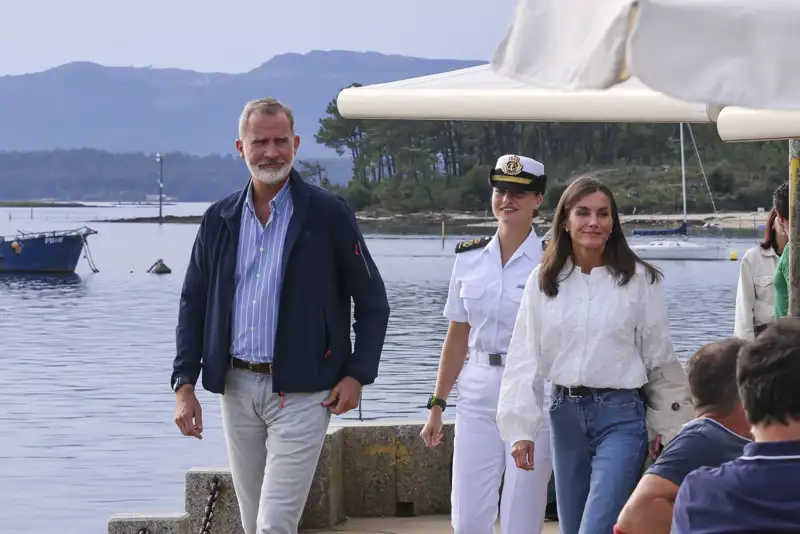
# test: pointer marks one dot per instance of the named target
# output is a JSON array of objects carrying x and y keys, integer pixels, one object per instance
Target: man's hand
[
  {"x": 188, "y": 415},
  {"x": 344, "y": 396},
  {"x": 522, "y": 451}
]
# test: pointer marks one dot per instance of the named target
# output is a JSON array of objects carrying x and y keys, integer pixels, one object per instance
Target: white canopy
[
  {"x": 480, "y": 94},
  {"x": 725, "y": 52}
]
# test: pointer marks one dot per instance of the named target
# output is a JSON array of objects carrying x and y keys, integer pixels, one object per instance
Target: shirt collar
[
  {"x": 275, "y": 205},
  {"x": 528, "y": 247},
  {"x": 772, "y": 450},
  {"x": 768, "y": 252}
]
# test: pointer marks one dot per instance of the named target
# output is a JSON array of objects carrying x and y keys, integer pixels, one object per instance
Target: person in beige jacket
[{"x": 755, "y": 294}]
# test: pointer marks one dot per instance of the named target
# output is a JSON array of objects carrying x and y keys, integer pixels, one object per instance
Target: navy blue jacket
[{"x": 325, "y": 264}]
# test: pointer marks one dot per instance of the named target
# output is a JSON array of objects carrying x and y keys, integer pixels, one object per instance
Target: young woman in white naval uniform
[{"x": 486, "y": 287}]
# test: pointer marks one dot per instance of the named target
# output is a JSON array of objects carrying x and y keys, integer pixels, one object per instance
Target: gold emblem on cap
[{"x": 513, "y": 166}]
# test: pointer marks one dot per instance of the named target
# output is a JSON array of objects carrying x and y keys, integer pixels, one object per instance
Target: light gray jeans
[{"x": 273, "y": 451}]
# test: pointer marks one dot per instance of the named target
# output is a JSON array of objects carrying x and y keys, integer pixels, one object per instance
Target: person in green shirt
[{"x": 780, "y": 203}]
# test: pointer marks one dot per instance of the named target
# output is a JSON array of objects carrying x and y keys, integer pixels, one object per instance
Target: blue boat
[
  {"x": 45, "y": 252},
  {"x": 681, "y": 230}
]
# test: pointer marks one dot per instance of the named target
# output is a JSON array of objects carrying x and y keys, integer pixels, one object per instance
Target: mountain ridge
[{"x": 83, "y": 104}]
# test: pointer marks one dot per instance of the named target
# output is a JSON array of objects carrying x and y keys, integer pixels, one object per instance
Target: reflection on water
[
  {"x": 86, "y": 410},
  {"x": 31, "y": 283}
]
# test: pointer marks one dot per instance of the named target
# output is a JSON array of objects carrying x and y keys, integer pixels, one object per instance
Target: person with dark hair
[
  {"x": 757, "y": 492},
  {"x": 755, "y": 296},
  {"x": 486, "y": 286},
  {"x": 593, "y": 322},
  {"x": 780, "y": 203},
  {"x": 718, "y": 434}
]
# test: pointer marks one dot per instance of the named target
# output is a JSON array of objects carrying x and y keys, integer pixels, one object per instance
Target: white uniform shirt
[
  {"x": 755, "y": 295},
  {"x": 594, "y": 333},
  {"x": 486, "y": 295}
]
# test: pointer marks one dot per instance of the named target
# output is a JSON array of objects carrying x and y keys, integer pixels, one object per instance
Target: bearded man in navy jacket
[{"x": 265, "y": 312}]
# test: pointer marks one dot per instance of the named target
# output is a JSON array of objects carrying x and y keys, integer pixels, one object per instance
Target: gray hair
[{"x": 266, "y": 106}]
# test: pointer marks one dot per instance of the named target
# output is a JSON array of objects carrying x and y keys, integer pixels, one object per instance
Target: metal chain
[
  {"x": 145, "y": 530},
  {"x": 208, "y": 516}
]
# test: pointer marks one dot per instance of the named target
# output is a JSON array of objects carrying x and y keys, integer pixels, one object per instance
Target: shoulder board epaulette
[{"x": 471, "y": 244}]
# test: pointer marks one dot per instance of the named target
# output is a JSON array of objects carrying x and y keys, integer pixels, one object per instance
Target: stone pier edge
[{"x": 366, "y": 469}]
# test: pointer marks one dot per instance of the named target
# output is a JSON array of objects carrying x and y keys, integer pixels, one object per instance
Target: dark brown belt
[
  {"x": 263, "y": 368},
  {"x": 582, "y": 391}
]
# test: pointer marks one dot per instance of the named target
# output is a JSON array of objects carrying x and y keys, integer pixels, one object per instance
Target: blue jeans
[{"x": 599, "y": 444}]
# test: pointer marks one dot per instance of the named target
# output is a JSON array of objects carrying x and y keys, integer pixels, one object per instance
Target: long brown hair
[
  {"x": 770, "y": 237},
  {"x": 617, "y": 255}
]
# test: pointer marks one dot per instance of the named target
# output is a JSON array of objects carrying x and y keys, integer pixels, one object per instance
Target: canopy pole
[{"x": 794, "y": 229}]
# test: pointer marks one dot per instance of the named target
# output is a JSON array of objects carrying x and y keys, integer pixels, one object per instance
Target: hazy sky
[{"x": 238, "y": 35}]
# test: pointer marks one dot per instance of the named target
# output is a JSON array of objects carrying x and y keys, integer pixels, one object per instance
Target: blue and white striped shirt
[{"x": 258, "y": 277}]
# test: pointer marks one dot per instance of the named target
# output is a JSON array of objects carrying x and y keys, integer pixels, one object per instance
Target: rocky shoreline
[
  {"x": 468, "y": 223},
  {"x": 41, "y": 204}
]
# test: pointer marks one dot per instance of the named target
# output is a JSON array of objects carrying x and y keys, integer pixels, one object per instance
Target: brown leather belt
[
  {"x": 581, "y": 391},
  {"x": 262, "y": 368}
]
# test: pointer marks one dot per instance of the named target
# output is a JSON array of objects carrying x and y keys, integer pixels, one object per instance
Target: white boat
[
  {"x": 681, "y": 249},
  {"x": 676, "y": 244}
]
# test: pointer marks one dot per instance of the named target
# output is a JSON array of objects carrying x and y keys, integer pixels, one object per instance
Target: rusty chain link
[{"x": 211, "y": 503}]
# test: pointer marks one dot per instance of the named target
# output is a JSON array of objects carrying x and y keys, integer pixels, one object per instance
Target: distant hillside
[
  {"x": 117, "y": 109},
  {"x": 95, "y": 175}
]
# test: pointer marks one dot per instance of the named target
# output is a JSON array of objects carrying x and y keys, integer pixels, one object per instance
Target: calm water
[{"x": 86, "y": 426}]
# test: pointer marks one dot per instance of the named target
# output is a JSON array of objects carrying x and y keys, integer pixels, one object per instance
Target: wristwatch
[
  {"x": 433, "y": 400},
  {"x": 180, "y": 381}
]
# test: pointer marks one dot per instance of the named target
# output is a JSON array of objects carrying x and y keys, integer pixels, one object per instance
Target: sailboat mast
[{"x": 683, "y": 173}]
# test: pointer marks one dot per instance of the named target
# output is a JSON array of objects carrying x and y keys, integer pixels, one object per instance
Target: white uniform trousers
[{"x": 480, "y": 459}]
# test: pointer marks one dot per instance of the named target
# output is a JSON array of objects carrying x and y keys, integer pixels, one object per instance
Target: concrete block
[
  {"x": 370, "y": 457},
  {"x": 150, "y": 524},
  {"x": 325, "y": 504},
  {"x": 226, "y": 511},
  {"x": 423, "y": 475}
]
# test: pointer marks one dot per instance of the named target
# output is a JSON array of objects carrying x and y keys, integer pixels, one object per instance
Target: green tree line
[{"x": 413, "y": 166}]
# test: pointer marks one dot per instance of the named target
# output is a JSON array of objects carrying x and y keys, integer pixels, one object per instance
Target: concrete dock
[
  {"x": 432, "y": 524},
  {"x": 371, "y": 477}
]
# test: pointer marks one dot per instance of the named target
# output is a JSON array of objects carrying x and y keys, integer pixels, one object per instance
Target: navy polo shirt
[{"x": 758, "y": 492}]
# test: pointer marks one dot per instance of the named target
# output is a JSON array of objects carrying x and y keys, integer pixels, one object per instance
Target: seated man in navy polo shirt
[
  {"x": 717, "y": 435},
  {"x": 760, "y": 491}
]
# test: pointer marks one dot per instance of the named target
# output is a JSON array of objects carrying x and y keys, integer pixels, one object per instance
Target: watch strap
[{"x": 433, "y": 400}]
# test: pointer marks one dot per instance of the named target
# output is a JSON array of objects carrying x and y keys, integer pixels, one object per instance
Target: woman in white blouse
[
  {"x": 593, "y": 322},
  {"x": 755, "y": 295}
]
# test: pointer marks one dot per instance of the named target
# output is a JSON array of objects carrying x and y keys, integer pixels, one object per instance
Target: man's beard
[{"x": 267, "y": 176}]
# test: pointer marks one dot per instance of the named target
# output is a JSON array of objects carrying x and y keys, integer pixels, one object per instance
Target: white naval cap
[{"x": 518, "y": 172}]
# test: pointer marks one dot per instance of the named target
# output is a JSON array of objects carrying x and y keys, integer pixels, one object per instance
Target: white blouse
[
  {"x": 755, "y": 295},
  {"x": 594, "y": 333}
]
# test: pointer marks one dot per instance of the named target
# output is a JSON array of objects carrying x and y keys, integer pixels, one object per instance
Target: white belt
[{"x": 486, "y": 358}]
